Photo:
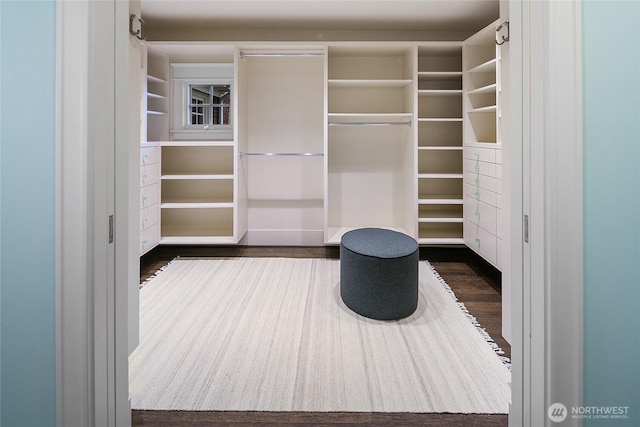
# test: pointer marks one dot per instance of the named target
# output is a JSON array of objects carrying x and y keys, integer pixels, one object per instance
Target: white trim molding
[{"x": 546, "y": 117}]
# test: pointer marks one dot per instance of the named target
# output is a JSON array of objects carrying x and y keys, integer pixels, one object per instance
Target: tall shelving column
[
  {"x": 439, "y": 148},
  {"x": 370, "y": 148},
  {"x": 482, "y": 146},
  {"x": 154, "y": 128}
]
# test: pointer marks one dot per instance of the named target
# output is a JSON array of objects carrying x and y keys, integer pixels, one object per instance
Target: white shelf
[
  {"x": 439, "y": 92},
  {"x": 438, "y": 220},
  {"x": 484, "y": 90},
  {"x": 439, "y": 175},
  {"x": 485, "y": 67},
  {"x": 361, "y": 83},
  {"x": 155, "y": 96},
  {"x": 370, "y": 115},
  {"x": 221, "y": 143},
  {"x": 443, "y": 201},
  {"x": 487, "y": 109},
  {"x": 440, "y": 148},
  {"x": 156, "y": 113},
  {"x": 197, "y": 240},
  {"x": 154, "y": 79},
  {"x": 438, "y": 74},
  {"x": 440, "y": 119},
  {"x": 441, "y": 241},
  {"x": 196, "y": 205},
  {"x": 198, "y": 176}
]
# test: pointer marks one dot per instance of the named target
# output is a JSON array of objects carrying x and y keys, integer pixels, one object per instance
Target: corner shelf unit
[
  {"x": 369, "y": 168},
  {"x": 482, "y": 146},
  {"x": 156, "y": 102},
  {"x": 439, "y": 147}
]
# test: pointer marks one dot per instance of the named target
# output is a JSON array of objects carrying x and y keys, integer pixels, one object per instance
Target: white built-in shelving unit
[
  {"x": 326, "y": 138},
  {"x": 369, "y": 149},
  {"x": 482, "y": 146},
  {"x": 197, "y": 192},
  {"x": 439, "y": 148}
]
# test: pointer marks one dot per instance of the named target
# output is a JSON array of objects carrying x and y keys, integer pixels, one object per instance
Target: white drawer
[
  {"x": 480, "y": 213},
  {"x": 481, "y": 194},
  {"x": 149, "y": 238},
  {"x": 149, "y": 174},
  {"x": 481, "y": 241},
  {"x": 149, "y": 216},
  {"x": 149, "y": 155},
  {"x": 149, "y": 195},
  {"x": 485, "y": 182},
  {"x": 480, "y": 154},
  {"x": 478, "y": 167}
]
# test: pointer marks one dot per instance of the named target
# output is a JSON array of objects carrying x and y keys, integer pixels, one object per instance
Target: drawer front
[
  {"x": 485, "y": 182},
  {"x": 149, "y": 155},
  {"x": 480, "y": 154},
  {"x": 149, "y": 216},
  {"x": 480, "y": 213},
  {"x": 481, "y": 241},
  {"x": 482, "y": 168},
  {"x": 149, "y": 195},
  {"x": 478, "y": 193},
  {"x": 149, "y": 174},
  {"x": 149, "y": 238}
]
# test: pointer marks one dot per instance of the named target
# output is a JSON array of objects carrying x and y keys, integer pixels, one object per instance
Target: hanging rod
[
  {"x": 370, "y": 124},
  {"x": 278, "y": 54},
  {"x": 280, "y": 154}
]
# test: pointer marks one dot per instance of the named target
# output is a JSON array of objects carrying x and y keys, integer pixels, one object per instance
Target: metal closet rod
[
  {"x": 243, "y": 54},
  {"x": 280, "y": 154},
  {"x": 370, "y": 124}
]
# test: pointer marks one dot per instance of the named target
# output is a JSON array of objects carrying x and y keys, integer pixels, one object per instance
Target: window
[
  {"x": 210, "y": 105},
  {"x": 202, "y": 101}
]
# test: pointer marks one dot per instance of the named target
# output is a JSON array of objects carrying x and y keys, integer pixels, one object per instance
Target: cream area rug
[{"x": 272, "y": 334}]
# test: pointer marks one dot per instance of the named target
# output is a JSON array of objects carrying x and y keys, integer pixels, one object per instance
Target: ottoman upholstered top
[{"x": 379, "y": 243}]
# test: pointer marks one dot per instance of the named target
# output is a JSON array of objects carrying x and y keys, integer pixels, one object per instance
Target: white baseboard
[{"x": 260, "y": 237}]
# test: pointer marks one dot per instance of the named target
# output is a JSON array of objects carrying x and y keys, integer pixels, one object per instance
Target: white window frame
[{"x": 187, "y": 75}]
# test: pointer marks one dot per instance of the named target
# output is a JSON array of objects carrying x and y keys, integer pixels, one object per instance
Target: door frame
[
  {"x": 547, "y": 281},
  {"x": 92, "y": 181},
  {"x": 543, "y": 36}
]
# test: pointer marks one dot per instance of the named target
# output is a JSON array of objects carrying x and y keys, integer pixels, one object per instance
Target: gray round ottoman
[{"x": 379, "y": 273}]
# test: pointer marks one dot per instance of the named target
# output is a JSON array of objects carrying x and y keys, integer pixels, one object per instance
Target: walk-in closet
[{"x": 257, "y": 137}]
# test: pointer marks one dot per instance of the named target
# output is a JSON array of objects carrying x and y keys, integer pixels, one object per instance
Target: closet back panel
[
  {"x": 284, "y": 114},
  {"x": 367, "y": 177}
]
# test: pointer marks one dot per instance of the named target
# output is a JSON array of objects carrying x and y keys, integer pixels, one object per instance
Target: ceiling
[{"x": 385, "y": 15}]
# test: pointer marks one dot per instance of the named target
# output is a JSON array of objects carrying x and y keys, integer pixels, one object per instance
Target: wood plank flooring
[{"x": 474, "y": 282}]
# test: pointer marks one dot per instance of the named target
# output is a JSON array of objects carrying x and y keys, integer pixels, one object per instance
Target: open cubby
[
  {"x": 439, "y": 162},
  {"x": 197, "y": 191},
  {"x": 197, "y": 160},
  {"x": 440, "y": 211},
  {"x": 440, "y": 188},
  {"x": 439, "y": 134},
  {"x": 197, "y": 222}
]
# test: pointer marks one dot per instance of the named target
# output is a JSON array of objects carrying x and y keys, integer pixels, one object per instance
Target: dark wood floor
[{"x": 475, "y": 283}]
